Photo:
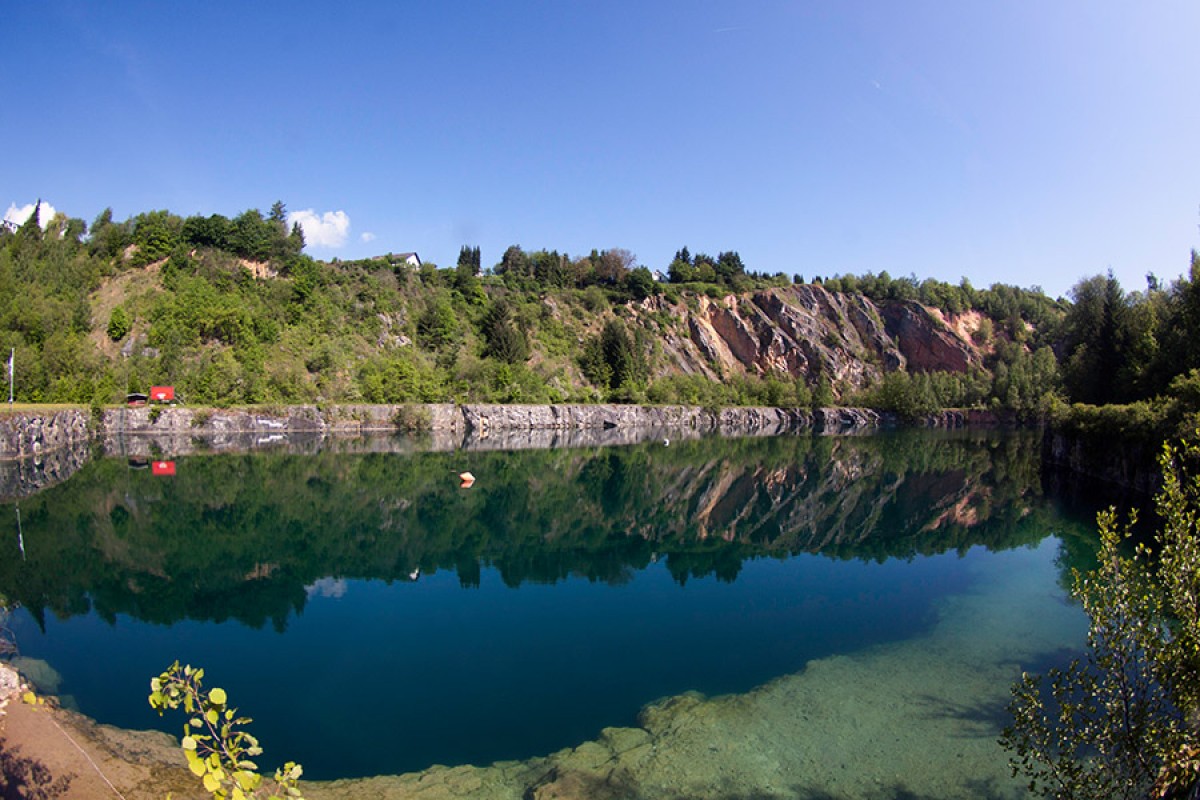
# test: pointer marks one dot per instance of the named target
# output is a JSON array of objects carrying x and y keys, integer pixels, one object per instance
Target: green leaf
[
  {"x": 247, "y": 780},
  {"x": 188, "y": 743},
  {"x": 217, "y": 697}
]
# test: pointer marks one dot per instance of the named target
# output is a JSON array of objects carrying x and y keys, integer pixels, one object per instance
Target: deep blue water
[{"x": 552, "y": 602}]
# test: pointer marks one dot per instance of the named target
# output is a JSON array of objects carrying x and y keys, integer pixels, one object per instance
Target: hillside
[{"x": 231, "y": 311}]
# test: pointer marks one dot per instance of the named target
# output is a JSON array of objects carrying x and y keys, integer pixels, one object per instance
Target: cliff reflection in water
[{"x": 242, "y": 536}]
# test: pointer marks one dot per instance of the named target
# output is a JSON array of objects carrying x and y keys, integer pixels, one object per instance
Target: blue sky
[{"x": 1027, "y": 142}]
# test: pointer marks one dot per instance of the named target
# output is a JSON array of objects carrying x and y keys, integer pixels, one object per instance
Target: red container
[{"x": 162, "y": 467}]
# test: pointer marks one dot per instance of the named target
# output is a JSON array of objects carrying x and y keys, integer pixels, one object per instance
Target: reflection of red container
[
  {"x": 162, "y": 394},
  {"x": 163, "y": 467}
]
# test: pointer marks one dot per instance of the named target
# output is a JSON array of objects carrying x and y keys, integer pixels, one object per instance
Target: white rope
[{"x": 95, "y": 766}]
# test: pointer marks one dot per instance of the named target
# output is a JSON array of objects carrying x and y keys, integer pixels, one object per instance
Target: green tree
[
  {"x": 1123, "y": 721},
  {"x": 251, "y": 236},
  {"x": 613, "y": 265},
  {"x": 615, "y": 358},
  {"x": 31, "y": 229},
  {"x": 437, "y": 326},
  {"x": 729, "y": 266},
  {"x": 640, "y": 283},
  {"x": 822, "y": 396},
  {"x": 514, "y": 263},
  {"x": 468, "y": 260},
  {"x": 504, "y": 340},
  {"x": 212, "y": 231},
  {"x": 108, "y": 239},
  {"x": 681, "y": 271},
  {"x": 1096, "y": 338},
  {"x": 119, "y": 324},
  {"x": 155, "y": 233}
]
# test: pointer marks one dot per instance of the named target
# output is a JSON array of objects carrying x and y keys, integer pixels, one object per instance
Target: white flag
[{"x": 11, "y": 354}]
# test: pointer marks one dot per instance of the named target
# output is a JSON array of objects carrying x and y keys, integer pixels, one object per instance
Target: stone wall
[
  {"x": 27, "y": 434},
  {"x": 40, "y": 449}
]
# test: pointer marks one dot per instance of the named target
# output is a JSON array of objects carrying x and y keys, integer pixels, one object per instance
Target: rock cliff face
[
  {"x": 30, "y": 434},
  {"x": 38, "y": 450},
  {"x": 44, "y": 449},
  {"x": 808, "y": 332},
  {"x": 145, "y": 432},
  {"x": 1068, "y": 458}
]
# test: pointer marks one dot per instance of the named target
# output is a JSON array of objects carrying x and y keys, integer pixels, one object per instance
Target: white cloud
[
  {"x": 327, "y": 587},
  {"x": 322, "y": 230},
  {"x": 17, "y": 216},
  {"x": 367, "y": 237}
]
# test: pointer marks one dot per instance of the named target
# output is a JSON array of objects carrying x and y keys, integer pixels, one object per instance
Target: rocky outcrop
[
  {"x": 805, "y": 332},
  {"x": 38, "y": 450},
  {"x": 45, "y": 451},
  {"x": 22, "y": 477},
  {"x": 926, "y": 344},
  {"x": 30, "y": 434},
  {"x": 1073, "y": 461}
]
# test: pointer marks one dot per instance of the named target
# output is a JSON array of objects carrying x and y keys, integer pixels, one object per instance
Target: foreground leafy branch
[
  {"x": 217, "y": 751},
  {"x": 1124, "y": 721}
]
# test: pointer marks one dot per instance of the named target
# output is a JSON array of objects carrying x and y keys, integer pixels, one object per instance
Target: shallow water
[{"x": 566, "y": 590}]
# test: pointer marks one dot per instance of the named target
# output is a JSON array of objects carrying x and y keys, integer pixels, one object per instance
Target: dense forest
[{"x": 232, "y": 311}]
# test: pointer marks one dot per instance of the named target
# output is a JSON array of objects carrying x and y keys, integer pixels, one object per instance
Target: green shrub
[
  {"x": 1122, "y": 721},
  {"x": 412, "y": 418},
  {"x": 217, "y": 750},
  {"x": 119, "y": 324}
]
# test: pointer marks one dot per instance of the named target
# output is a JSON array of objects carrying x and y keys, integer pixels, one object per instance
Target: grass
[{"x": 24, "y": 408}]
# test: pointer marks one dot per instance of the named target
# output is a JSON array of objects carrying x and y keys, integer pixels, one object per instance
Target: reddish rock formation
[{"x": 807, "y": 332}]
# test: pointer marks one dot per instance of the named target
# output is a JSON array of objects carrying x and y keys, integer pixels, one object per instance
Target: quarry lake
[{"x": 375, "y": 617}]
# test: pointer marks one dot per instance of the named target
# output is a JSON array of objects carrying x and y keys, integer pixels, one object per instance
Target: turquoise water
[{"x": 424, "y": 623}]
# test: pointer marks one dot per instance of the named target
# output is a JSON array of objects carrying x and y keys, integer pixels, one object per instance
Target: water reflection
[
  {"x": 253, "y": 537},
  {"x": 644, "y": 571}
]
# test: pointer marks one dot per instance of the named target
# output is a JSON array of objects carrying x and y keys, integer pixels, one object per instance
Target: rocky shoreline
[
  {"x": 40, "y": 449},
  {"x": 29, "y": 434}
]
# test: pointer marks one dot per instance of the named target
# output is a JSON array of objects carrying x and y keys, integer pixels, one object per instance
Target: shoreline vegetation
[
  {"x": 268, "y": 345},
  {"x": 233, "y": 313}
]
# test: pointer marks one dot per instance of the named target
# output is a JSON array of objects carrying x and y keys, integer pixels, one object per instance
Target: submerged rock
[{"x": 916, "y": 718}]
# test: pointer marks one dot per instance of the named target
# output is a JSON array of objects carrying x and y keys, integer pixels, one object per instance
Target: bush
[
  {"x": 119, "y": 324},
  {"x": 1123, "y": 721},
  {"x": 412, "y": 418},
  {"x": 217, "y": 751}
]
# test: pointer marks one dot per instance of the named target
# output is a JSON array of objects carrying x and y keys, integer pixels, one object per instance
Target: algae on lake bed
[{"x": 915, "y": 718}]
